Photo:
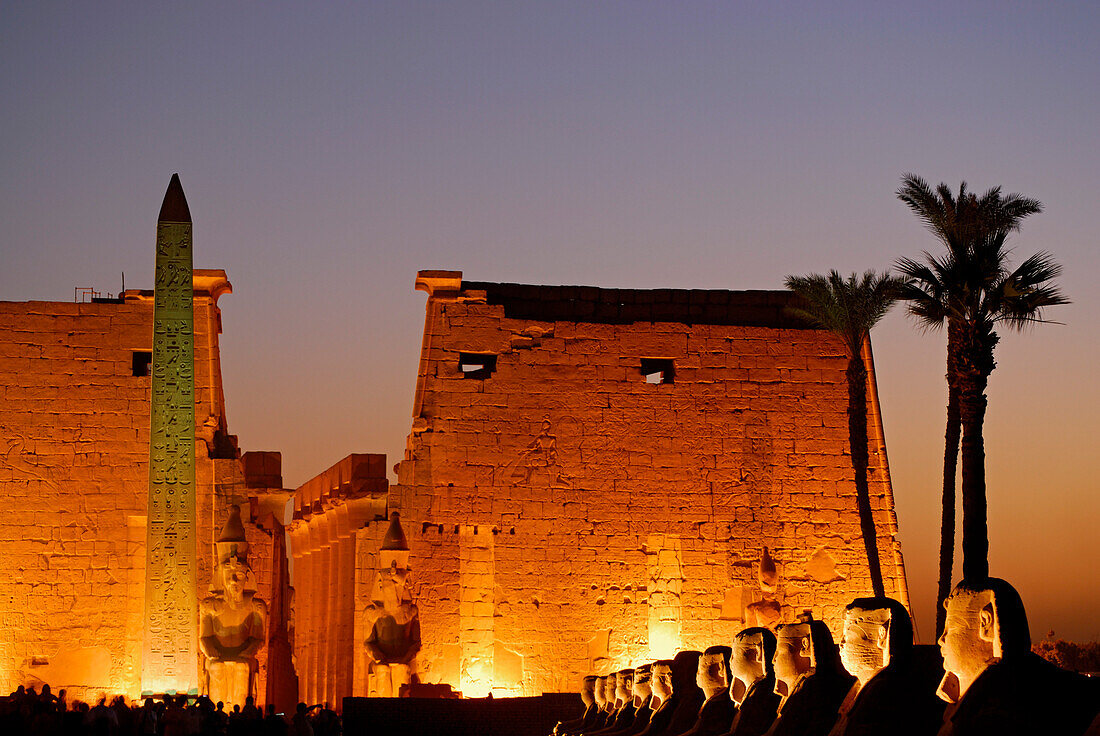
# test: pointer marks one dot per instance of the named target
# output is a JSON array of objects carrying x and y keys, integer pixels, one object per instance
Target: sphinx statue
[
  {"x": 599, "y": 697},
  {"x": 610, "y": 684},
  {"x": 888, "y": 695},
  {"x": 993, "y": 682},
  {"x": 686, "y": 692},
  {"x": 588, "y": 697},
  {"x": 394, "y": 638},
  {"x": 232, "y": 620},
  {"x": 624, "y": 700},
  {"x": 713, "y": 678},
  {"x": 661, "y": 703},
  {"x": 752, "y": 689},
  {"x": 643, "y": 699},
  {"x": 809, "y": 677}
]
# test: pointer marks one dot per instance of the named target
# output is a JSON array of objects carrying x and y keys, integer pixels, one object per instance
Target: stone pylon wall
[
  {"x": 567, "y": 516},
  {"x": 74, "y": 474}
]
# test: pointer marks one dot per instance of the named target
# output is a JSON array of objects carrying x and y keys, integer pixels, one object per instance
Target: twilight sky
[{"x": 331, "y": 150}]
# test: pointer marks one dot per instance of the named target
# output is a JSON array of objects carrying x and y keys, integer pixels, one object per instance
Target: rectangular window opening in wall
[
  {"x": 142, "y": 362},
  {"x": 477, "y": 365},
  {"x": 658, "y": 370}
]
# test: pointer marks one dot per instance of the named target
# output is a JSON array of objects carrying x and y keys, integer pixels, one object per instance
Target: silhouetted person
[
  {"x": 274, "y": 725},
  {"x": 300, "y": 722}
]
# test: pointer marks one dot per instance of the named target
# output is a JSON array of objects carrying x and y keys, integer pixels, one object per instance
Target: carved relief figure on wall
[
  {"x": 232, "y": 620},
  {"x": 394, "y": 638}
]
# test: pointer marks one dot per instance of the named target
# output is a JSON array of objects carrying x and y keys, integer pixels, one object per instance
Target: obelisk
[{"x": 170, "y": 651}]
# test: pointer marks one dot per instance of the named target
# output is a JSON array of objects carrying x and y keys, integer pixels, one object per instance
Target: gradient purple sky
[{"x": 329, "y": 151}]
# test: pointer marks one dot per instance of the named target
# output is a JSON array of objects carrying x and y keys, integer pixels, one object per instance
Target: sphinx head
[
  {"x": 662, "y": 679},
  {"x": 877, "y": 631},
  {"x": 642, "y": 684},
  {"x": 986, "y": 622},
  {"x": 588, "y": 690},
  {"x": 753, "y": 651},
  {"x": 713, "y": 673},
  {"x": 624, "y": 686}
]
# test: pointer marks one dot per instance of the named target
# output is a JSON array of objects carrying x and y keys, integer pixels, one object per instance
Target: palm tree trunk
[
  {"x": 857, "y": 440},
  {"x": 950, "y": 466},
  {"x": 973, "y": 379}
]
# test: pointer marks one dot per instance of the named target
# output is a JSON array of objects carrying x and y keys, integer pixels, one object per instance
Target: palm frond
[{"x": 848, "y": 307}]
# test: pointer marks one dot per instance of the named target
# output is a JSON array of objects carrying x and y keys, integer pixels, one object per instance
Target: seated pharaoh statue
[
  {"x": 394, "y": 638},
  {"x": 713, "y": 677},
  {"x": 686, "y": 692},
  {"x": 588, "y": 697},
  {"x": 661, "y": 703},
  {"x": 753, "y": 682},
  {"x": 888, "y": 696},
  {"x": 810, "y": 678},
  {"x": 232, "y": 621},
  {"x": 993, "y": 682}
]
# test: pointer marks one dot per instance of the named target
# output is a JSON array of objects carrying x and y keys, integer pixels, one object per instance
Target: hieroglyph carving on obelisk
[{"x": 170, "y": 651}]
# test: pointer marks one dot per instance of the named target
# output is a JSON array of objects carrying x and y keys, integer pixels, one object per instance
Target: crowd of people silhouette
[{"x": 41, "y": 713}]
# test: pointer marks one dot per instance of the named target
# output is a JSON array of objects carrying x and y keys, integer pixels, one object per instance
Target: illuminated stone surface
[
  {"x": 561, "y": 505},
  {"x": 74, "y": 451},
  {"x": 169, "y": 655}
]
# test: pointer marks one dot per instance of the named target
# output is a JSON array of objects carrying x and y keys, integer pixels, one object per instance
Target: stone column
[{"x": 299, "y": 545}]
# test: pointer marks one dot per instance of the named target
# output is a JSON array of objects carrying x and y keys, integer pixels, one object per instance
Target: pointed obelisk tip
[{"x": 174, "y": 208}]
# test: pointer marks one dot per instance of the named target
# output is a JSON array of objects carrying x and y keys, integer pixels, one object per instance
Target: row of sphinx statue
[{"x": 796, "y": 682}]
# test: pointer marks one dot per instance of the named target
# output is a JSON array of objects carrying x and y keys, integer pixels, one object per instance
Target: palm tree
[
  {"x": 849, "y": 309},
  {"x": 970, "y": 289}
]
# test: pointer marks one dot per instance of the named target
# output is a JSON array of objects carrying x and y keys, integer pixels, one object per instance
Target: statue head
[
  {"x": 753, "y": 652},
  {"x": 803, "y": 648},
  {"x": 624, "y": 687},
  {"x": 600, "y": 692},
  {"x": 588, "y": 690},
  {"x": 610, "y": 690},
  {"x": 232, "y": 573},
  {"x": 713, "y": 674},
  {"x": 877, "y": 632},
  {"x": 642, "y": 683},
  {"x": 390, "y": 584},
  {"x": 684, "y": 666},
  {"x": 986, "y": 622},
  {"x": 662, "y": 679}
]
